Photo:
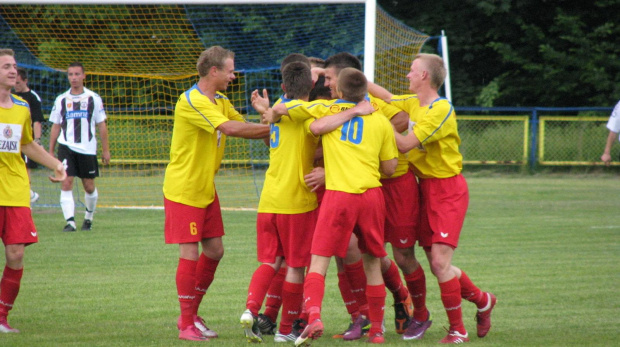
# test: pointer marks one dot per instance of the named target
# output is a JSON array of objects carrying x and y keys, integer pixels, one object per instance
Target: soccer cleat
[
  {"x": 403, "y": 313},
  {"x": 266, "y": 325},
  {"x": 416, "y": 329},
  {"x": 34, "y": 196},
  {"x": 299, "y": 325},
  {"x": 312, "y": 331},
  {"x": 376, "y": 338},
  {"x": 365, "y": 330},
  {"x": 199, "y": 323},
  {"x": 484, "y": 317},
  {"x": 69, "y": 227},
  {"x": 5, "y": 327},
  {"x": 191, "y": 333},
  {"x": 455, "y": 337},
  {"x": 250, "y": 327},
  {"x": 356, "y": 330},
  {"x": 87, "y": 225},
  {"x": 292, "y": 336}
]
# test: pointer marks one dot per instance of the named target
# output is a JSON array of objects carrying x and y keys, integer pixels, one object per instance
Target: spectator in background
[
  {"x": 34, "y": 101},
  {"x": 614, "y": 128}
]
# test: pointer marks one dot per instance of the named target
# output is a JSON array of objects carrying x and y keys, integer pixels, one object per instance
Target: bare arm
[
  {"x": 611, "y": 138},
  {"x": 273, "y": 115},
  {"x": 379, "y": 92},
  {"x": 36, "y": 128},
  {"x": 405, "y": 143},
  {"x": 37, "y": 153},
  {"x": 53, "y": 138},
  {"x": 330, "y": 123},
  {"x": 388, "y": 167},
  {"x": 400, "y": 121},
  {"x": 244, "y": 130},
  {"x": 105, "y": 147},
  {"x": 316, "y": 178}
]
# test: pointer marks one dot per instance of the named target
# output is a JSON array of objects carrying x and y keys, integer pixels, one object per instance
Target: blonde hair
[
  {"x": 7, "y": 51},
  {"x": 435, "y": 67},
  {"x": 213, "y": 56}
]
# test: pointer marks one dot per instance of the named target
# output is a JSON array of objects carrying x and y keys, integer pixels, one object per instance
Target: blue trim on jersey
[
  {"x": 18, "y": 102},
  {"x": 189, "y": 101},
  {"x": 415, "y": 96},
  {"x": 442, "y": 122}
]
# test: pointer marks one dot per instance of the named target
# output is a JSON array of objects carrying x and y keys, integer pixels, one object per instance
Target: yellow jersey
[
  {"x": 435, "y": 126},
  {"x": 16, "y": 128},
  {"x": 354, "y": 150},
  {"x": 291, "y": 155},
  {"x": 197, "y": 148}
]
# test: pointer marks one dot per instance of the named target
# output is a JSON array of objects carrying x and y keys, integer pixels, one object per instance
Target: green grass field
[{"x": 547, "y": 245}]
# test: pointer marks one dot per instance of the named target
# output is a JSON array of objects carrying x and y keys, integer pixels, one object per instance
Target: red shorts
[
  {"x": 189, "y": 224},
  {"x": 402, "y": 205},
  {"x": 287, "y": 235},
  {"x": 16, "y": 225},
  {"x": 443, "y": 205},
  {"x": 342, "y": 214}
]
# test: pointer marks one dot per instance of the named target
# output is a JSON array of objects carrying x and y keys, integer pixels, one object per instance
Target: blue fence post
[{"x": 534, "y": 137}]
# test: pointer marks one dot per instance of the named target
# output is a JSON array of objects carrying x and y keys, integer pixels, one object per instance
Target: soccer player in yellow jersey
[
  {"x": 401, "y": 197},
  {"x": 287, "y": 209},
  {"x": 17, "y": 229},
  {"x": 203, "y": 117},
  {"x": 433, "y": 148},
  {"x": 354, "y": 153}
]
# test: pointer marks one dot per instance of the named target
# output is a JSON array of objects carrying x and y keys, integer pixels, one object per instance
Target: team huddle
[{"x": 342, "y": 182}]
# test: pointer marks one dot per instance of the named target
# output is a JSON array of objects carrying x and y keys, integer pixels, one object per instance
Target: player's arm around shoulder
[
  {"x": 244, "y": 130},
  {"x": 330, "y": 123}
]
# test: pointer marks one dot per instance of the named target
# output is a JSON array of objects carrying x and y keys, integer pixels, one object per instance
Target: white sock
[
  {"x": 90, "y": 200},
  {"x": 67, "y": 204}
]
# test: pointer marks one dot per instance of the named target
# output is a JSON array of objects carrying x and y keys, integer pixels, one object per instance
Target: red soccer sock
[
  {"x": 376, "y": 307},
  {"x": 186, "y": 280},
  {"x": 451, "y": 298},
  {"x": 470, "y": 292},
  {"x": 205, "y": 273},
  {"x": 347, "y": 295},
  {"x": 274, "y": 295},
  {"x": 357, "y": 281},
  {"x": 258, "y": 287},
  {"x": 292, "y": 297},
  {"x": 416, "y": 283},
  {"x": 394, "y": 283},
  {"x": 314, "y": 290},
  {"x": 9, "y": 288}
]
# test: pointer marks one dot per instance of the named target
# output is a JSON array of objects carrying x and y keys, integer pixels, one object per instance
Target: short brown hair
[
  {"x": 297, "y": 80},
  {"x": 316, "y": 61},
  {"x": 22, "y": 73},
  {"x": 212, "y": 56},
  {"x": 435, "y": 67},
  {"x": 352, "y": 84},
  {"x": 292, "y": 58},
  {"x": 7, "y": 51},
  {"x": 77, "y": 64},
  {"x": 343, "y": 60}
]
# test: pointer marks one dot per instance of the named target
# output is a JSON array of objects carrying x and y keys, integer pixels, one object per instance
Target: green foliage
[{"x": 540, "y": 53}]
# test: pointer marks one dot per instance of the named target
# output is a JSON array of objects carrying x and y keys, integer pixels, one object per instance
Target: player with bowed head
[{"x": 433, "y": 151}]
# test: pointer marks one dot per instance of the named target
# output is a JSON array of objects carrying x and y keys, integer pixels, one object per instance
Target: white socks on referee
[
  {"x": 67, "y": 204},
  {"x": 90, "y": 200}
]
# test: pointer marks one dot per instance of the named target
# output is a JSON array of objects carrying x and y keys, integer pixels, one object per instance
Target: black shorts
[
  {"x": 31, "y": 164},
  {"x": 78, "y": 164}
]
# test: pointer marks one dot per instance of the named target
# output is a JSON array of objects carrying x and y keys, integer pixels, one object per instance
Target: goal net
[{"x": 140, "y": 58}]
